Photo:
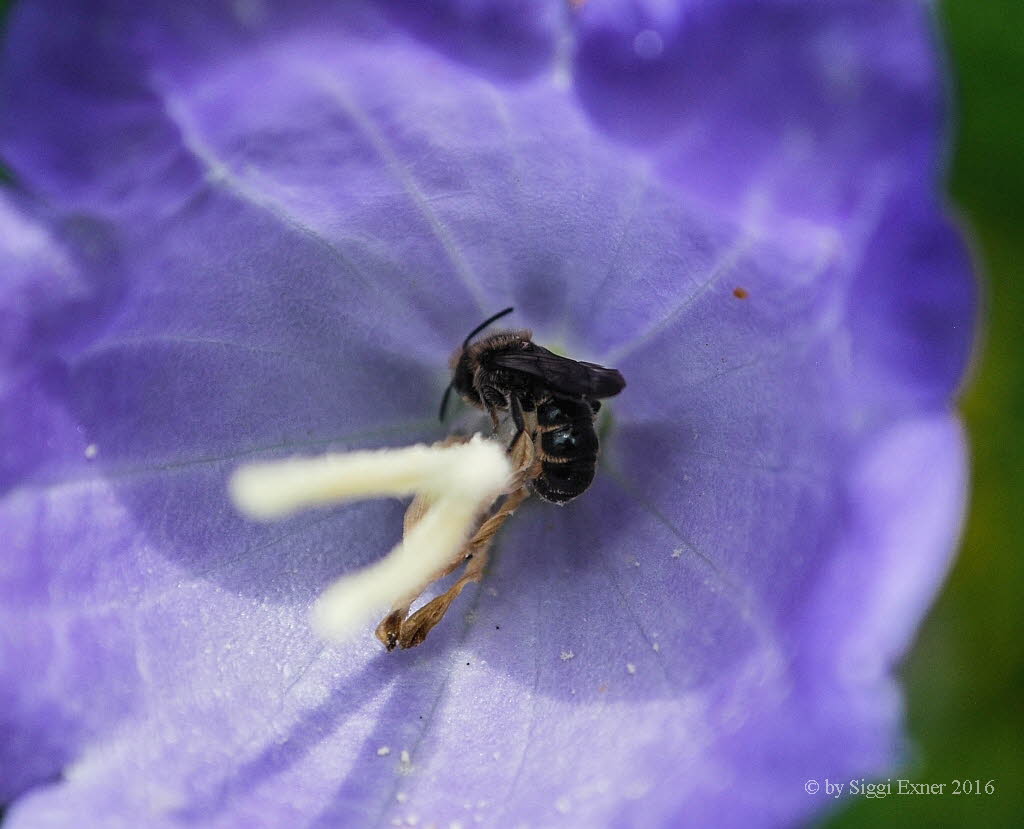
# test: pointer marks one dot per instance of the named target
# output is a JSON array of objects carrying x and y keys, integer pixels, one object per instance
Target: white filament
[{"x": 462, "y": 480}]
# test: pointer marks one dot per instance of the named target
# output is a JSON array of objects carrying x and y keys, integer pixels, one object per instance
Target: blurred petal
[
  {"x": 780, "y": 109},
  {"x": 504, "y": 38}
]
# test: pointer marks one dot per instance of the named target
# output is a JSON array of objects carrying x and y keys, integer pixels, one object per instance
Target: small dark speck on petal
[{"x": 740, "y": 293}]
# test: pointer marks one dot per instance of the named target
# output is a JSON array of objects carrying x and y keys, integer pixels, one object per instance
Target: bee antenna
[
  {"x": 444, "y": 402},
  {"x": 465, "y": 342},
  {"x": 485, "y": 323}
]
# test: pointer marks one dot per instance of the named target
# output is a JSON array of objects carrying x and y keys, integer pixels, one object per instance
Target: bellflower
[{"x": 251, "y": 230}]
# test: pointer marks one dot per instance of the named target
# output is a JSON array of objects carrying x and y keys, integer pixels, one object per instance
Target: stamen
[{"x": 460, "y": 482}]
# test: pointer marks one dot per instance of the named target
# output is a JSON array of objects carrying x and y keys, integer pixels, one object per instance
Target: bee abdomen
[
  {"x": 572, "y": 440},
  {"x": 561, "y": 482},
  {"x": 568, "y": 451},
  {"x": 562, "y": 411}
]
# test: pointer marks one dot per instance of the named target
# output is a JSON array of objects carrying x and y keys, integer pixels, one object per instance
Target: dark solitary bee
[{"x": 553, "y": 397}]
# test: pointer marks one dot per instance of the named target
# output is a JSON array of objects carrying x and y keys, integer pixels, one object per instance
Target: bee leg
[
  {"x": 415, "y": 629},
  {"x": 522, "y": 450},
  {"x": 525, "y": 463},
  {"x": 516, "y": 407},
  {"x": 493, "y": 401}
]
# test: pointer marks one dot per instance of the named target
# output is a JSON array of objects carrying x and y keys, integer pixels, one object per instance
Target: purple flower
[{"x": 256, "y": 230}]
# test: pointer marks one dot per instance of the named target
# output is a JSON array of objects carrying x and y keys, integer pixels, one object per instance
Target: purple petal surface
[{"x": 269, "y": 230}]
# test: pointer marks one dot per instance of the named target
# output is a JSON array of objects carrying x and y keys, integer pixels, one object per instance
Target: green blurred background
[{"x": 965, "y": 676}]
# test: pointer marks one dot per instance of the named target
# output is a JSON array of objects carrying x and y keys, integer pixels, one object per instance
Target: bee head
[
  {"x": 462, "y": 377},
  {"x": 462, "y": 370}
]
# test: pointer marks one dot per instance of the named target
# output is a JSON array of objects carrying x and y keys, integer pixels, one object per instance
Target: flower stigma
[{"x": 454, "y": 483}]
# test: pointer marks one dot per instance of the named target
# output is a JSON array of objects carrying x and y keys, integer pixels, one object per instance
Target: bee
[{"x": 553, "y": 398}]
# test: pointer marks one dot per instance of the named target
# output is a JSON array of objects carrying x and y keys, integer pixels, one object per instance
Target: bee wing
[{"x": 573, "y": 377}]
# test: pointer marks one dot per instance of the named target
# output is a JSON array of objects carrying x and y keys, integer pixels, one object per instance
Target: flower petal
[
  {"x": 770, "y": 108},
  {"x": 306, "y": 211}
]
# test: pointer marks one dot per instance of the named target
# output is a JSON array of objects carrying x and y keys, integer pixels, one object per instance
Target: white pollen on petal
[
  {"x": 91, "y": 451},
  {"x": 566, "y": 655},
  {"x": 677, "y": 552},
  {"x": 401, "y": 797},
  {"x": 383, "y": 751},
  {"x": 405, "y": 758},
  {"x": 630, "y": 667},
  {"x": 656, "y": 646},
  {"x": 648, "y": 44}
]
